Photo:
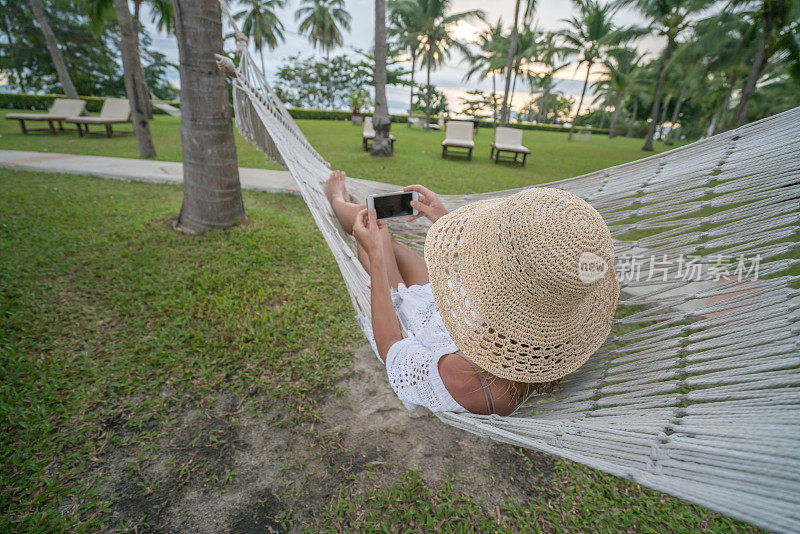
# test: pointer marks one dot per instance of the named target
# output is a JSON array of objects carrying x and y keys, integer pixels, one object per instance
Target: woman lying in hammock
[{"x": 517, "y": 292}]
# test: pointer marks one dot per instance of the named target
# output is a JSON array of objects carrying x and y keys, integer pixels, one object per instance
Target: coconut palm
[
  {"x": 436, "y": 40},
  {"x": 588, "y": 36},
  {"x": 530, "y": 6},
  {"x": 52, "y": 47},
  {"x": 668, "y": 19},
  {"x": 620, "y": 64},
  {"x": 261, "y": 24},
  {"x": 212, "y": 195},
  {"x": 489, "y": 60},
  {"x": 405, "y": 28},
  {"x": 777, "y": 21},
  {"x": 322, "y": 23},
  {"x": 381, "y": 121}
]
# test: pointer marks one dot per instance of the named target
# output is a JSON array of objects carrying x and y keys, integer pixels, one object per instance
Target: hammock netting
[{"x": 696, "y": 392}]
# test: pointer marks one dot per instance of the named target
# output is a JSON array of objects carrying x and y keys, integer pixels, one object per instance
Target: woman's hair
[{"x": 521, "y": 390}]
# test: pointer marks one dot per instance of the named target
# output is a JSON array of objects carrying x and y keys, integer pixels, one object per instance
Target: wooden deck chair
[
  {"x": 63, "y": 108},
  {"x": 114, "y": 111},
  {"x": 508, "y": 140},
  {"x": 369, "y": 134},
  {"x": 458, "y": 134}
]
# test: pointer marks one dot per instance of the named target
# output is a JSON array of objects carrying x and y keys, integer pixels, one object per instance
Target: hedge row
[
  {"x": 45, "y": 102},
  {"x": 94, "y": 103}
]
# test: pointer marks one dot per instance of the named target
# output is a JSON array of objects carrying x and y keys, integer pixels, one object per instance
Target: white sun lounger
[
  {"x": 63, "y": 108},
  {"x": 369, "y": 134},
  {"x": 458, "y": 134},
  {"x": 114, "y": 111},
  {"x": 508, "y": 140}
]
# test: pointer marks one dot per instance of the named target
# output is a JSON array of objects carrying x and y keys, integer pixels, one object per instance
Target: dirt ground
[{"x": 223, "y": 469}]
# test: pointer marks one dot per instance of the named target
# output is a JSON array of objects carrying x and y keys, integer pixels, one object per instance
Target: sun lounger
[
  {"x": 508, "y": 140},
  {"x": 458, "y": 134},
  {"x": 369, "y": 134},
  {"x": 114, "y": 111},
  {"x": 63, "y": 108}
]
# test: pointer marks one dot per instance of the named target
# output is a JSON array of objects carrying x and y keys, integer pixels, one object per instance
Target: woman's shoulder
[{"x": 464, "y": 385}]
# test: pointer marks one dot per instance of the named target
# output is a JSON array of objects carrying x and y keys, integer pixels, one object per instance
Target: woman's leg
[
  {"x": 346, "y": 212},
  {"x": 410, "y": 264}
]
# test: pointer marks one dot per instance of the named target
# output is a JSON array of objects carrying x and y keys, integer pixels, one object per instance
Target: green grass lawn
[
  {"x": 417, "y": 154},
  {"x": 112, "y": 326}
]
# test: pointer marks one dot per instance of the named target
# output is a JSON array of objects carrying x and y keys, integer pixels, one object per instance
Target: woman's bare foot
[{"x": 335, "y": 188}]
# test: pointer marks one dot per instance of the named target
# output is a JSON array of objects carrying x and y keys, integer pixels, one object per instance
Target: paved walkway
[{"x": 140, "y": 170}]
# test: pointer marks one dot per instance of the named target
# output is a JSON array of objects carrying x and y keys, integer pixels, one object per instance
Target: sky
[{"x": 449, "y": 78}]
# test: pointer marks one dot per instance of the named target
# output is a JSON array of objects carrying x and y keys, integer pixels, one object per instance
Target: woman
[{"x": 515, "y": 298}]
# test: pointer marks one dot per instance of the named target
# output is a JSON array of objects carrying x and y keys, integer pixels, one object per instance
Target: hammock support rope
[{"x": 697, "y": 391}]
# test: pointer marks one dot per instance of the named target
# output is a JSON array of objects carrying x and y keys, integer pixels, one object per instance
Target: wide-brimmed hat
[{"x": 525, "y": 284}]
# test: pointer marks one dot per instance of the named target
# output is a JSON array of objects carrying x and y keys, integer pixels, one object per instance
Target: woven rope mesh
[{"x": 696, "y": 392}]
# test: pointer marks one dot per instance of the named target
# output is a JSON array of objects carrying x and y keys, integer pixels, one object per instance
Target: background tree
[
  {"x": 381, "y": 121},
  {"x": 322, "y": 23},
  {"x": 478, "y": 104},
  {"x": 437, "y": 38},
  {"x": 489, "y": 58},
  {"x": 212, "y": 195},
  {"x": 668, "y": 19},
  {"x": 587, "y": 36},
  {"x": 530, "y": 5},
  {"x": 305, "y": 83},
  {"x": 777, "y": 21},
  {"x": 52, "y": 47},
  {"x": 261, "y": 24},
  {"x": 405, "y": 31},
  {"x": 620, "y": 64},
  {"x": 135, "y": 82},
  {"x": 430, "y": 101}
]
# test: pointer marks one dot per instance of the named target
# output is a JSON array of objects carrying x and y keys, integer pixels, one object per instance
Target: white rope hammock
[{"x": 682, "y": 398}]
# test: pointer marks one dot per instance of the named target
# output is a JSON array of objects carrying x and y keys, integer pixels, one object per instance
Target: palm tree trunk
[
  {"x": 663, "y": 113},
  {"x": 428, "y": 104},
  {"x": 494, "y": 100},
  {"x": 511, "y": 99},
  {"x": 634, "y": 116},
  {"x": 759, "y": 62},
  {"x": 603, "y": 117},
  {"x": 723, "y": 118},
  {"x": 675, "y": 112},
  {"x": 612, "y": 127},
  {"x": 212, "y": 196},
  {"x": 381, "y": 121},
  {"x": 52, "y": 47},
  {"x": 411, "y": 98},
  {"x": 578, "y": 111},
  {"x": 263, "y": 69},
  {"x": 133, "y": 75},
  {"x": 512, "y": 51},
  {"x": 662, "y": 75},
  {"x": 330, "y": 77}
]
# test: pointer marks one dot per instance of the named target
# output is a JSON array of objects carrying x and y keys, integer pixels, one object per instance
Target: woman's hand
[
  {"x": 365, "y": 230},
  {"x": 428, "y": 204}
]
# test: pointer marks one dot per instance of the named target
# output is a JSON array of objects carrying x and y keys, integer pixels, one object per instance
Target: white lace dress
[{"x": 412, "y": 364}]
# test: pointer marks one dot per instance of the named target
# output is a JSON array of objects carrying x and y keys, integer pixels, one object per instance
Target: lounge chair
[
  {"x": 458, "y": 134},
  {"x": 369, "y": 134},
  {"x": 508, "y": 140},
  {"x": 114, "y": 111},
  {"x": 63, "y": 108}
]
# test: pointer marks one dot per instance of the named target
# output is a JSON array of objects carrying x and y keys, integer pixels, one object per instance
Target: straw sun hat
[{"x": 525, "y": 284}]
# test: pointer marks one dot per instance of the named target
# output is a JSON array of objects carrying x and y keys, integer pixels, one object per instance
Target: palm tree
[
  {"x": 549, "y": 55},
  {"x": 489, "y": 59},
  {"x": 52, "y": 47},
  {"x": 588, "y": 36},
  {"x": 135, "y": 84},
  {"x": 381, "y": 121},
  {"x": 530, "y": 6},
  {"x": 212, "y": 195},
  {"x": 777, "y": 21},
  {"x": 261, "y": 24},
  {"x": 621, "y": 65},
  {"x": 322, "y": 23},
  {"x": 668, "y": 19},
  {"x": 406, "y": 27}
]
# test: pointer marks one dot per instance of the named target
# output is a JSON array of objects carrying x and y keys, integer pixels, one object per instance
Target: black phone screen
[{"x": 393, "y": 205}]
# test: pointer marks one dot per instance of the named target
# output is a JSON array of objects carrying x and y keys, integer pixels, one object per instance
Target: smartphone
[{"x": 393, "y": 204}]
